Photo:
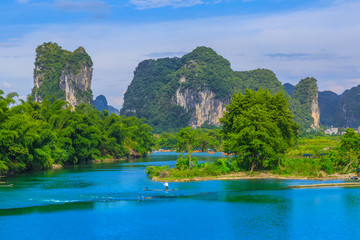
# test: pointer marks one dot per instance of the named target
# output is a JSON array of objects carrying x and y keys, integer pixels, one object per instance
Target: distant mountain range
[
  {"x": 193, "y": 90},
  {"x": 101, "y": 104},
  {"x": 337, "y": 110}
]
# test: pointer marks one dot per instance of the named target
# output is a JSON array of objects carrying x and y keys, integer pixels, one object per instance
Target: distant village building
[
  {"x": 357, "y": 130},
  {"x": 331, "y": 131}
]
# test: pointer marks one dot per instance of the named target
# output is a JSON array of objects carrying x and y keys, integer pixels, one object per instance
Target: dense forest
[{"x": 38, "y": 135}]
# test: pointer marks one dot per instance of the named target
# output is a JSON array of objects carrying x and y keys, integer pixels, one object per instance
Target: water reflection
[
  {"x": 107, "y": 201},
  {"x": 47, "y": 208}
]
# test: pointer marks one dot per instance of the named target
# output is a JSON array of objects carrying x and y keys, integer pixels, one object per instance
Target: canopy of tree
[
  {"x": 258, "y": 127},
  {"x": 37, "y": 135}
]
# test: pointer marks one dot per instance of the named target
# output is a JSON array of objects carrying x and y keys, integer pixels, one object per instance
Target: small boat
[
  {"x": 211, "y": 151},
  {"x": 158, "y": 190},
  {"x": 6, "y": 185}
]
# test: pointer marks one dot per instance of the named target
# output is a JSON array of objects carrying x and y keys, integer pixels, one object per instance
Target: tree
[
  {"x": 186, "y": 139},
  {"x": 350, "y": 143},
  {"x": 258, "y": 127}
]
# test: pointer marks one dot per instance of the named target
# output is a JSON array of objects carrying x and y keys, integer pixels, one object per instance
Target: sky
[{"x": 293, "y": 38}]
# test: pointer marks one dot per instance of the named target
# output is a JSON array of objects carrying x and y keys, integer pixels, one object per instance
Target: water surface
[{"x": 107, "y": 201}]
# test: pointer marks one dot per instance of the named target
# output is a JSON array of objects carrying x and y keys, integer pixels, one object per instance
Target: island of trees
[{"x": 260, "y": 130}]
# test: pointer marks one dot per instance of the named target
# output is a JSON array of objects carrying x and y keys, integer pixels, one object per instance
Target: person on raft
[{"x": 166, "y": 185}]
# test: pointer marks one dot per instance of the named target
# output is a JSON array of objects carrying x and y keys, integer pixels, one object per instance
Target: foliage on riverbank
[
  {"x": 181, "y": 170},
  {"x": 37, "y": 135},
  {"x": 205, "y": 139},
  {"x": 324, "y": 156}
]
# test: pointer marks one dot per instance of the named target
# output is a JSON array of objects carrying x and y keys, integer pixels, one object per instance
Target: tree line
[{"x": 36, "y": 135}]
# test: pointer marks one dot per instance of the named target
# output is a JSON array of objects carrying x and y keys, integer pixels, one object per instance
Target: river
[{"x": 107, "y": 201}]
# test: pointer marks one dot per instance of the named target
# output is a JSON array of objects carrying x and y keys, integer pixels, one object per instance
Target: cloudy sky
[{"x": 295, "y": 39}]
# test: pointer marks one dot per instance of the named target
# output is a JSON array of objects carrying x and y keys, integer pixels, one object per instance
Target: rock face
[
  {"x": 315, "y": 111},
  {"x": 76, "y": 84},
  {"x": 203, "y": 107},
  {"x": 305, "y": 104},
  {"x": 63, "y": 74},
  {"x": 172, "y": 93}
]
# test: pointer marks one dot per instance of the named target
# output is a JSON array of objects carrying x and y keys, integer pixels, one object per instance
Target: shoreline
[{"x": 246, "y": 176}]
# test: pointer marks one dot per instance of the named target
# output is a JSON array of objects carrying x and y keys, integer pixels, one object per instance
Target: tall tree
[
  {"x": 186, "y": 140},
  {"x": 350, "y": 143},
  {"x": 258, "y": 127}
]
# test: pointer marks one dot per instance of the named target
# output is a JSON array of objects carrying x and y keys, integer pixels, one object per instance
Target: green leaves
[
  {"x": 258, "y": 126},
  {"x": 36, "y": 135}
]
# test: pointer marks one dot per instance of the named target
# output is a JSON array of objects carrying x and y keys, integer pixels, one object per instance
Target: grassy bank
[{"x": 319, "y": 158}]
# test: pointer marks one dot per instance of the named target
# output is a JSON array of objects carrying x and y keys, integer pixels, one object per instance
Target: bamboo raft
[
  {"x": 7, "y": 185},
  {"x": 346, "y": 184}
]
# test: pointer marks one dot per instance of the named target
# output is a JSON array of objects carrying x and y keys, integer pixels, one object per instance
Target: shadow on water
[{"x": 47, "y": 208}]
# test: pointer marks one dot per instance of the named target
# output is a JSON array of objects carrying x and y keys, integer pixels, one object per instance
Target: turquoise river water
[{"x": 108, "y": 201}]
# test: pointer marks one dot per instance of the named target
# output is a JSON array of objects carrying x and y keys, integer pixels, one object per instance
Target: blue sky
[{"x": 295, "y": 39}]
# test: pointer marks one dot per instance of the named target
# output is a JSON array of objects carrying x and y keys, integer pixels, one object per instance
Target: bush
[{"x": 156, "y": 171}]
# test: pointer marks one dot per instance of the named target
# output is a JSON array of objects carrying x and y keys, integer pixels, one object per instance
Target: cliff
[
  {"x": 203, "y": 106},
  {"x": 304, "y": 103},
  {"x": 172, "y": 93},
  {"x": 64, "y": 74}
]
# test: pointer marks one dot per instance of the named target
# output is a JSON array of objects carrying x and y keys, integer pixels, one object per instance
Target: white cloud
[
  {"x": 144, "y": 4},
  {"x": 6, "y": 85},
  {"x": 322, "y": 43}
]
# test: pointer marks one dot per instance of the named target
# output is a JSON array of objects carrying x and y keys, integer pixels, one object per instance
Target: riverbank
[{"x": 254, "y": 175}]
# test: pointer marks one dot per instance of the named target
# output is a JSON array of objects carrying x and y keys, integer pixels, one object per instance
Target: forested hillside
[
  {"x": 172, "y": 93},
  {"x": 328, "y": 104},
  {"x": 348, "y": 109}
]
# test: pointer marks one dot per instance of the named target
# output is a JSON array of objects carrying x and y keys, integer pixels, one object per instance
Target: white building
[{"x": 331, "y": 131}]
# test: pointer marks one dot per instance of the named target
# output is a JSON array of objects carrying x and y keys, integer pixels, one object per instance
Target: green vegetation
[
  {"x": 300, "y": 103},
  {"x": 186, "y": 140},
  {"x": 255, "y": 79},
  {"x": 348, "y": 109},
  {"x": 313, "y": 157},
  {"x": 51, "y": 62},
  {"x": 328, "y": 103},
  {"x": 149, "y": 95},
  {"x": 258, "y": 127},
  {"x": 217, "y": 168},
  {"x": 205, "y": 139},
  {"x": 204, "y": 69},
  {"x": 324, "y": 156},
  {"x": 37, "y": 135},
  {"x": 152, "y": 92}
]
